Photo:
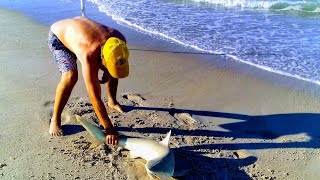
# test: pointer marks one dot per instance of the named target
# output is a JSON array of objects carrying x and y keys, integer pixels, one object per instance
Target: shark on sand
[{"x": 159, "y": 157}]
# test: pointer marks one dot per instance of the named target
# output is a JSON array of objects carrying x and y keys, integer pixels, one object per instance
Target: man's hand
[{"x": 112, "y": 136}]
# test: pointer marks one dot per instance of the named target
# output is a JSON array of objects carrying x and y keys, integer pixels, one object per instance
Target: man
[{"x": 97, "y": 47}]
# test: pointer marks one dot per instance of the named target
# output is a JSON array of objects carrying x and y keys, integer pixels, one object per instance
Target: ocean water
[{"x": 281, "y": 36}]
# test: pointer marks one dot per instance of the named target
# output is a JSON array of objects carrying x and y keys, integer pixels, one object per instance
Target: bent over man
[{"x": 97, "y": 47}]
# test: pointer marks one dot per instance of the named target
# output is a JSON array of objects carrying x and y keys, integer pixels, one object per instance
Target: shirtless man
[{"x": 97, "y": 47}]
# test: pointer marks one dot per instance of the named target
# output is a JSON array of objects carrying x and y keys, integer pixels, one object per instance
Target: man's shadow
[{"x": 248, "y": 126}]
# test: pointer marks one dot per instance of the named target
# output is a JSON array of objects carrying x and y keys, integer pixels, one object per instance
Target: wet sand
[{"x": 225, "y": 124}]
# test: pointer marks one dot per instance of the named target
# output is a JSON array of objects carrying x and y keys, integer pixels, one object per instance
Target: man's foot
[
  {"x": 55, "y": 130},
  {"x": 116, "y": 107}
]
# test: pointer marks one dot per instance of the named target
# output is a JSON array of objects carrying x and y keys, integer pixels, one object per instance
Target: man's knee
[{"x": 70, "y": 77}]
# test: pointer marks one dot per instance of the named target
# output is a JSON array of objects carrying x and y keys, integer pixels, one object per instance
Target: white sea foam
[
  {"x": 282, "y": 44},
  {"x": 305, "y": 5},
  {"x": 239, "y": 3}
]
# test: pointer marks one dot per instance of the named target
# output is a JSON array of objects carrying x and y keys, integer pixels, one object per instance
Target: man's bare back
[{"x": 83, "y": 36}]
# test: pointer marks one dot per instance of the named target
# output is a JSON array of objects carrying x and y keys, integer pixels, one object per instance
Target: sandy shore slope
[{"x": 225, "y": 124}]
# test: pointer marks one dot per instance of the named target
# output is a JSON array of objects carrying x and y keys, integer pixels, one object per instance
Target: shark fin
[
  {"x": 95, "y": 144},
  {"x": 165, "y": 141}
]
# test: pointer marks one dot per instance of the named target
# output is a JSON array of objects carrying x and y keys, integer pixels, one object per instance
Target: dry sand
[{"x": 225, "y": 124}]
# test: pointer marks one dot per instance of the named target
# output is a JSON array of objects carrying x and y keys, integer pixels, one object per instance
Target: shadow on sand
[
  {"x": 259, "y": 127},
  {"x": 70, "y": 129},
  {"x": 195, "y": 166}
]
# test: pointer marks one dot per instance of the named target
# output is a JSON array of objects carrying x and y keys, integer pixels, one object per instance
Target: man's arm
[{"x": 90, "y": 75}]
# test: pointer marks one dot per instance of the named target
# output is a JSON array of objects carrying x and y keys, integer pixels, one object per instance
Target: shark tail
[
  {"x": 94, "y": 131},
  {"x": 166, "y": 140}
]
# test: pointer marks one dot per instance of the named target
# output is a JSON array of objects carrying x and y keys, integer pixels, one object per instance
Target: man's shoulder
[
  {"x": 68, "y": 22},
  {"x": 59, "y": 25}
]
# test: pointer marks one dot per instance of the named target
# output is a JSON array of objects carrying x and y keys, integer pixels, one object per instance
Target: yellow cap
[{"x": 116, "y": 54}]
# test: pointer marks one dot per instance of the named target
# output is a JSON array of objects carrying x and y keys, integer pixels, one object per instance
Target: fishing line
[
  {"x": 178, "y": 52},
  {"x": 199, "y": 53}
]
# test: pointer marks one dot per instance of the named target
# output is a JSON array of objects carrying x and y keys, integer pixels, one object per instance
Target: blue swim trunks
[{"x": 64, "y": 58}]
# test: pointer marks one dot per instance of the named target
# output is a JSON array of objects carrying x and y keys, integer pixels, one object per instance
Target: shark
[{"x": 160, "y": 158}]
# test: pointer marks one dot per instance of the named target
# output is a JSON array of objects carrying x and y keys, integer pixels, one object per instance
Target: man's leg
[
  {"x": 112, "y": 86},
  {"x": 63, "y": 91}
]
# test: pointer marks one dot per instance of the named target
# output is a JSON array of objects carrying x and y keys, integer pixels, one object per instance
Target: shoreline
[{"x": 229, "y": 123}]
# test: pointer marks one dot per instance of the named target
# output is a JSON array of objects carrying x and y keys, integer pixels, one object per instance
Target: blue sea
[{"x": 280, "y": 36}]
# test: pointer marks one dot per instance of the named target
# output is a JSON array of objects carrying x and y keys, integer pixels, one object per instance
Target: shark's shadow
[
  {"x": 196, "y": 166},
  {"x": 258, "y": 127}
]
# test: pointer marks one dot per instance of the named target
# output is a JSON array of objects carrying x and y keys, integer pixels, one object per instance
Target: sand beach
[{"x": 226, "y": 123}]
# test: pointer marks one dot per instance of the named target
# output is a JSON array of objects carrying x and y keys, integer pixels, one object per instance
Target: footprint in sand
[
  {"x": 135, "y": 98},
  {"x": 48, "y": 104},
  {"x": 186, "y": 121},
  {"x": 46, "y": 111}
]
